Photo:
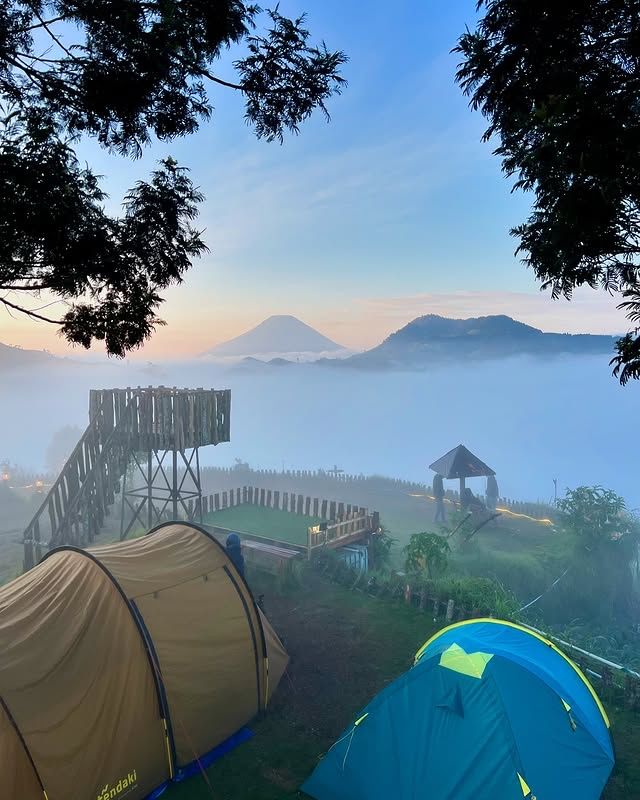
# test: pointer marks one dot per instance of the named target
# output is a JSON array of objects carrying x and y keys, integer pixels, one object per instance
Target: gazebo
[{"x": 461, "y": 463}]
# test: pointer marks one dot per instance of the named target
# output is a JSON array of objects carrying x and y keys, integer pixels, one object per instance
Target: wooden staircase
[
  {"x": 122, "y": 422},
  {"x": 74, "y": 510}
]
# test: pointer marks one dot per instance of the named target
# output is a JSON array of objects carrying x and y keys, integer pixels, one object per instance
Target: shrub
[{"x": 428, "y": 553}]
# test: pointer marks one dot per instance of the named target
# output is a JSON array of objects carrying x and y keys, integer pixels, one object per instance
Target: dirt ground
[{"x": 344, "y": 647}]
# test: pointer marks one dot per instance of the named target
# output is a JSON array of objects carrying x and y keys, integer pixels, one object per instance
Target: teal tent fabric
[{"x": 489, "y": 711}]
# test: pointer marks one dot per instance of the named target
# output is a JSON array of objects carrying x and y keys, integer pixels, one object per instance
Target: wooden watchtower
[{"x": 150, "y": 435}]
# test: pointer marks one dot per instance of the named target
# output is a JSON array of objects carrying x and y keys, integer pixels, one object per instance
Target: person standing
[
  {"x": 492, "y": 493},
  {"x": 438, "y": 493},
  {"x": 234, "y": 551}
]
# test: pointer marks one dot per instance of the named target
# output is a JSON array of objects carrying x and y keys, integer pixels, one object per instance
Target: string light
[{"x": 506, "y": 511}]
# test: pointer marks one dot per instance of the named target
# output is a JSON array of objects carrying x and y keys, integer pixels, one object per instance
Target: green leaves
[
  {"x": 427, "y": 552},
  {"x": 606, "y": 539},
  {"x": 124, "y": 72},
  {"x": 285, "y": 79},
  {"x": 597, "y": 516},
  {"x": 558, "y": 83},
  {"x": 55, "y": 236}
]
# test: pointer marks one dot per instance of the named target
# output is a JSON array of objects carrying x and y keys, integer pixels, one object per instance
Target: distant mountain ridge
[
  {"x": 276, "y": 335},
  {"x": 16, "y": 357},
  {"x": 434, "y": 339}
]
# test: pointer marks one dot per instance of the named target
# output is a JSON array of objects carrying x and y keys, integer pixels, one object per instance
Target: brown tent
[{"x": 121, "y": 665}]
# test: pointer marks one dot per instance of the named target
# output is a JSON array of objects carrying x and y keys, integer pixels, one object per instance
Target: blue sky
[{"x": 394, "y": 209}]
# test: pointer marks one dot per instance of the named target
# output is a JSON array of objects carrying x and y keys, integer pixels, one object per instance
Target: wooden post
[
  {"x": 28, "y": 555},
  {"x": 450, "y": 609}
]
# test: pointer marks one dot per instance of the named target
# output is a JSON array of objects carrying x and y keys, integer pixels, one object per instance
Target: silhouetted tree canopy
[
  {"x": 559, "y": 82},
  {"x": 124, "y": 71}
]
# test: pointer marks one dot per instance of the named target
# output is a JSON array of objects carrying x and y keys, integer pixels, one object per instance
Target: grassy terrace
[
  {"x": 268, "y": 523},
  {"x": 344, "y": 647}
]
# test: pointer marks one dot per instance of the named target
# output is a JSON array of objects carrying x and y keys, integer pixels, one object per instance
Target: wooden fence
[
  {"x": 615, "y": 682},
  {"x": 330, "y": 482},
  {"x": 162, "y": 418},
  {"x": 340, "y": 523}
]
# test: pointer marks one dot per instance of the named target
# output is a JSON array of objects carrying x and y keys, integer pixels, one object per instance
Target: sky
[{"x": 392, "y": 210}]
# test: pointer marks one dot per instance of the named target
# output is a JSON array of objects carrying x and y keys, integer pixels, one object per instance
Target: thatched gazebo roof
[{"x": 461, "y": 463}]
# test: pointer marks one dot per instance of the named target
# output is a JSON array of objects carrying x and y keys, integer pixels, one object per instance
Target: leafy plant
[
  {"x": 606, "y": 538},
  {"x": 125, "y": 74},
  {"x": 380, "y": 548},
  {"x": 427, "y": 552},
  {"x": 557, "y": 82},
  {"x": 476, "y": 594}
]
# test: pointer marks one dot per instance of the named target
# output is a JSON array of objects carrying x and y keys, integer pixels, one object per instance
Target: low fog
[{"x": 531, "y": 420}]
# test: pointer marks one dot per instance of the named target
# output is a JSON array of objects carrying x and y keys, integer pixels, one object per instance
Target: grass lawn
[
  {"x": 268, "y": 523},
  {"x": 344, "y": 647}
]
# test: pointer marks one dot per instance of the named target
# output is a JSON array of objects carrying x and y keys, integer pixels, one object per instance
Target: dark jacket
[
  {"x": 438, "y": 487},
  {"x": 234, "y": 551}
]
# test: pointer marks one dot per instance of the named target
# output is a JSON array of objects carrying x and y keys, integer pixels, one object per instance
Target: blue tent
[{"x": 489, "y": 711}]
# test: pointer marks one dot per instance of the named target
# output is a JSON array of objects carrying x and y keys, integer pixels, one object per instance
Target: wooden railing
[
  {"x": 74, "y": 509},
  {"x": 351, "y": 527},
  {"x": 311, "y": 481},
  {"x": 341, "y": 522},
  {"x": 121, "y": 422}
]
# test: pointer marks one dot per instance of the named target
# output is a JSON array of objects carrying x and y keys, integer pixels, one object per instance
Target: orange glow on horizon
[{"x": 195, "y": 323}]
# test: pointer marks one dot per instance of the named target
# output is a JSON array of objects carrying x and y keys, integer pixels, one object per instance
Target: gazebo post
[{"x": 460, "y": 464}]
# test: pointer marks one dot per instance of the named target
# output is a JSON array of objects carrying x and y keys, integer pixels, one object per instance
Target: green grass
[
  {"x": 344, "y": 647},
  {"x": 269, "y": 523}
]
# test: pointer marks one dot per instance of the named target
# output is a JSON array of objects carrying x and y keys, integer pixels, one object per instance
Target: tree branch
[
  {"x": 42, "y": 23},
  {"x": 229, "y": 85},
  {"x": 40, "y": 58},
  {"x": 30, "y": 313},
  {"x": 45, "y": 25},
  {"x": 12, "y": 288}
]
